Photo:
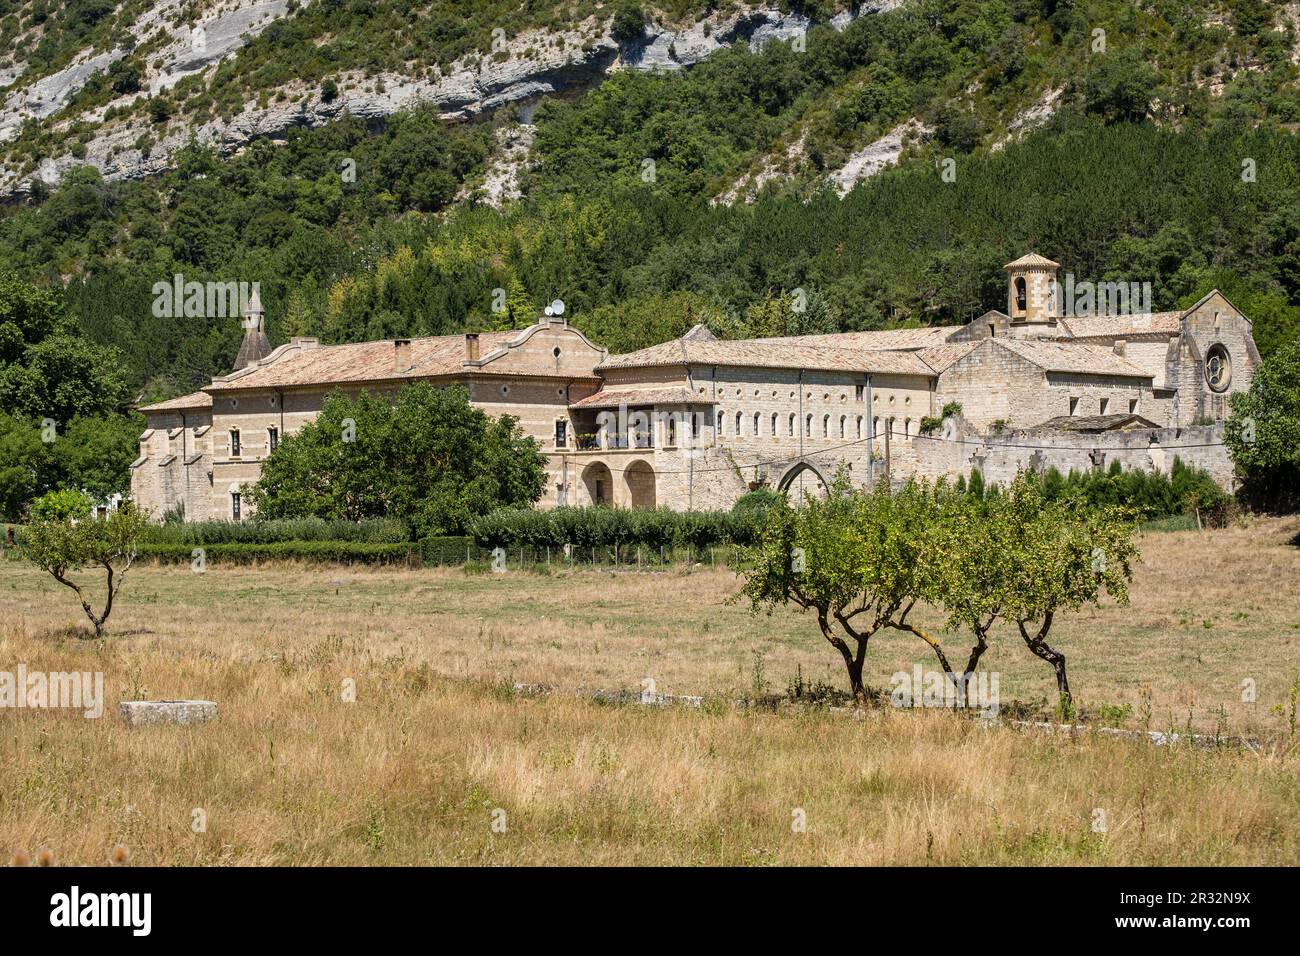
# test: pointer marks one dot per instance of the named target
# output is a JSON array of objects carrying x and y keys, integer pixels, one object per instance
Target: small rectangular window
[
  {"x": 273, "y": 438},
  {"x": 1074, "y": 406},
  {"x": 1132, "y": 406},
  {"x": 1105, "y": 405},
  {"x": 860, "y": 392},
  {"x": 234, "y": 442},
  {"x": 234, "y": 505},
  {"x": 561, "y": 433}
]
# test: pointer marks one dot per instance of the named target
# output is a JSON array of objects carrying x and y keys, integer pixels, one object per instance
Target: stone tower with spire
[{"x": 256, "y": 345}]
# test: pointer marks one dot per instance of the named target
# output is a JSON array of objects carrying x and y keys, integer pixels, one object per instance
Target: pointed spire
[{"x": 256, "y": 346}]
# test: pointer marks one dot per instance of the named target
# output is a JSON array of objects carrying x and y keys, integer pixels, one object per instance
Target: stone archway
[
  {"x": 639, "y": 477},
  {"x": 598, "y": 483},
  {"x": 805, "y": 478}
]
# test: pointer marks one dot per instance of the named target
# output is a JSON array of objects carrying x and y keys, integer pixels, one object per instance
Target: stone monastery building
[{"x": 696, "y": 422}]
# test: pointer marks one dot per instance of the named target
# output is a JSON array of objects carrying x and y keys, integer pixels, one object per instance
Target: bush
[
  {"x": 369, "y": 531},
  {"x": 600, "y": 527},
  {"x": 1185, "y": 490},
  {"x": 329, "y": 552}
]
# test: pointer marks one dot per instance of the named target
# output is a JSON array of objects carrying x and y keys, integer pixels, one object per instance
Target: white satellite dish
[
  {"x": 557, "y": 307},
  {"x": 548, "y": 311}
]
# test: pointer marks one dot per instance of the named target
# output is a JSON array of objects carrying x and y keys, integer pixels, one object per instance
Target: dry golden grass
[{"x": 413, "y": 770}]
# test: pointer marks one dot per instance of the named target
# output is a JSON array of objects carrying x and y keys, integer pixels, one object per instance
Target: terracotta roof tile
[
  {"x": 192, "y": 400},
  {"x": 306, "y": 363},
  {"x": 1117, "y": 326},
  {"x": 642, "y": 396},
  {"x": 1073, "y": 358},
  {"x": 879, "y": 340},
  {"x": 1032, "y": 259},
  {"x": 780, "y": 353},
  {"x": 941, "y": 357}
]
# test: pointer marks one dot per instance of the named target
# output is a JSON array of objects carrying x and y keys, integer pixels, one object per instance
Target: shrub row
[
  {"x": 600, "y": 527},
  {"x": 341, "y": 552},
  {"x": 371, "y": 531}
]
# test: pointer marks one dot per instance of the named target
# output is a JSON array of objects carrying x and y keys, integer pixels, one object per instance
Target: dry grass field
[{"x": 435, "y": 749}]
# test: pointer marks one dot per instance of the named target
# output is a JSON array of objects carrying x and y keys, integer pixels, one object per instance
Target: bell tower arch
[{"x": 1031, "y": 289}]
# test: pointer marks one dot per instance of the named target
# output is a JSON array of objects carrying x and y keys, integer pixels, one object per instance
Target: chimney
[
  {"x": 1120, "y": 346},
  {"x": 471, "y": 346},
  {"x": 401, "y": 355}
]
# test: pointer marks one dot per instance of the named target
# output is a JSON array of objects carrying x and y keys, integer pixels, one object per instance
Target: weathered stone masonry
[{"x": 695, "y": 422}]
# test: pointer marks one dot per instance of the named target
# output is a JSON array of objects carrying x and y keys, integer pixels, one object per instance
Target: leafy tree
[
  {"x": 1263, "y": 432},
  {"x": 859, "y": 560},
  {"x": 426, "y": 457},
  {"x": 629, "y": 23},
  {"x": 1119, "y": 87},
  {"x": 63, "y": 536},
  {"x": 61, "y": 377},
  {"x": 25, "y": 463},
  {"x": 1063, "y": 556}
]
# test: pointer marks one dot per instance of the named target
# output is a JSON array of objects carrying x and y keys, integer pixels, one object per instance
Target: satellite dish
[
  {"x": 548, "y": 310},
  {"x": 557, "y": 307}
]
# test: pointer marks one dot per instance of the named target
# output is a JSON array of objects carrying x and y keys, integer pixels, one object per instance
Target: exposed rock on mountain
[{"x": 534, "y": 63}]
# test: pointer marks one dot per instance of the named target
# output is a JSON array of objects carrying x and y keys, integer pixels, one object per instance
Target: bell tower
[{"x": 1031, "y": 289}]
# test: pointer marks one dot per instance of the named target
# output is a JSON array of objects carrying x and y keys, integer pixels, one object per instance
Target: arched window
[
  {"x": 907, "y": 427},
  {"x": 719, "y": 425},
  {"x": 843, "y": 419},
  {"x": 860, "y": 435},
  {"x": 774, "y": 423},
  {"x": 757, "y": 418},
  {"x": 808, "y": 426},
  {"x": 792, "y": 432},
  {"x": 826, "y": 426},
  {"x": 740, "y": 424},
  {"x": 1020, "y": 294},
  {"x": 875, "y": 425}
]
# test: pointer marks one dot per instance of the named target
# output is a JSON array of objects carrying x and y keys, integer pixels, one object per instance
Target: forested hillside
[{"x": 1160, "y": 149}]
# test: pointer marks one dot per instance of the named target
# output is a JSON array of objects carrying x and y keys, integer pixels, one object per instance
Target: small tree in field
[
  {"x": 63, "y": 537},
  {"x": 972, "y": 560},
  {"x": 1062, "y": 556},
  {"x": 858, "y": 560}
]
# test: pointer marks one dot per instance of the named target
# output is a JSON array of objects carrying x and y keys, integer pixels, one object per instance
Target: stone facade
[{"x": 695, "y": 422}]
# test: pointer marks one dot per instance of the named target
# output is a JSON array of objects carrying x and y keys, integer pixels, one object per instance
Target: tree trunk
[
  {"x": 1040, "y": 648},
  {"x": 853, "y": 662}
]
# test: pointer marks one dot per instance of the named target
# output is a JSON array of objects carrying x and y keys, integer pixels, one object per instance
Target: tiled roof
[
  {"x": 1073, "y": 358},
  {"x": 780, "y": 353},
  {"x": 1097, "y": 423},
  {"x": 882, "y": 339},
  {"x": 1032, "y": 259},
  {"x": 941, "y": 357},
  {"x": 311, "y": 364},
  {"x": 192, "y": 400},
  {"x": 642, "y": 396},
  {"x": 1117, "y": 326}
]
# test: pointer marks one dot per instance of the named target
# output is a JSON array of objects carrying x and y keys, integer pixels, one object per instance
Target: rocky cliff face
[{"x": 533, "y": 64}]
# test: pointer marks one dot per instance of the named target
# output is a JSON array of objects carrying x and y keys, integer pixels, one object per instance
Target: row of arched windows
[{"x": 850, "y": 428}]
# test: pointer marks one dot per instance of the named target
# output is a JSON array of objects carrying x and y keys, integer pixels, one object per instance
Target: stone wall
[
  {"x": 999, "y": 457},
  {"x": 177, "y": 456}
]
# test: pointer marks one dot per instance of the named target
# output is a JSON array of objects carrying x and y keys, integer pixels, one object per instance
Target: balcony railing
[{"x": 614, "y": 442}]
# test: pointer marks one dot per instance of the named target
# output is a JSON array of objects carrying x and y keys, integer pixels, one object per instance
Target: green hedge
[
  {"x": 605, "y": 527},
  {"x": 373, "y": 531},
  {"x": 340, "y": 552}
]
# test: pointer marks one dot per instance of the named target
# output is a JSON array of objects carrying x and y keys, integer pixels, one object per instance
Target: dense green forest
[{"x": 1170, "y": 158}]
